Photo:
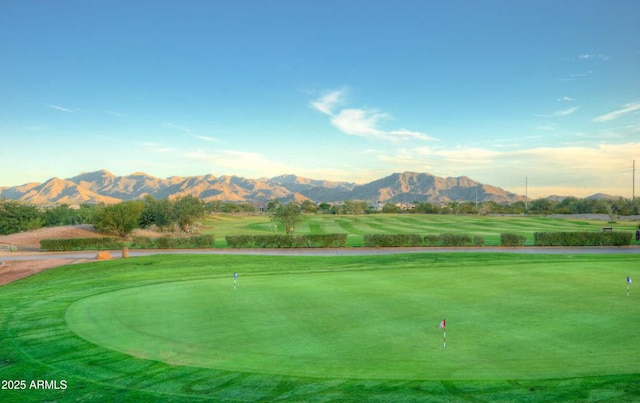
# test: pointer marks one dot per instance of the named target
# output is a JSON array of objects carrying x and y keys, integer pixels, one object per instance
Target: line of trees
[
  {"x": 165, "y": 215},
  {"x": 180, "y": 214},
  {"x": 569, "y": 205},
  {"x": 116, "y": 219},
  {"x": 16, "y": 216}
]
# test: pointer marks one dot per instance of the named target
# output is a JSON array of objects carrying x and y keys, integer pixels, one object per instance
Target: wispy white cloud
[
  {"x": 205, "y": 138},
  {"x": 627, "y": 108},
  {"x": 357, "y": 121},
  {"x": 327, "y": 102},
  {"x": 575, "y": 76},
  {"x": 583, "y": 74},
  {"x": 566, "y": 112},
  {"x": 361, "y": 122},
  {"x": 157, "y": 148},
  {"x": 190, "y": 132},
  {"x": 60, "y": 108},
  {"x": 558, "y": 114},
  {"x": 593, "y": 56},
  {"x": 176, "y": 127},
  {"x": 566, "y": 99}
]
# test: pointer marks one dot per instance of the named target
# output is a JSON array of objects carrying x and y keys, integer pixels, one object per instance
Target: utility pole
[
  {"x": 476, "y": 198},
  {"x": 526, "y": 194},
  {"x": 633, "y": 194}
]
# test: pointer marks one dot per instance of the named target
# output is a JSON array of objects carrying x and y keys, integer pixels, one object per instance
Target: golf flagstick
[
  {"x": 628, "y": 283},
  {"x": 444, "y": 339},
  {"x": 443, "y": 326}
]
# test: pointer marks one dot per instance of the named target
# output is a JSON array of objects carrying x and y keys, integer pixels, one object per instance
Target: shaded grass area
[
  {"x": 489, "y": 227},
  {"x": 37, "y": 343}
]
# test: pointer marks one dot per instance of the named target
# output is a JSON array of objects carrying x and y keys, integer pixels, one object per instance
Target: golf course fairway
[
  {"x": 520, "y": 327},
  {"x": 522, "y": 321}
]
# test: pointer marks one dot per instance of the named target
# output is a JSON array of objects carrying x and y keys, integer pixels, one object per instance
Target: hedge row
[
  {"x": 287, "y": 241},
  {"x": 396, "y": 240},
  {"x": 139, "y": 242},
  {"x": 617, "y": 238},
  {"x": 169, "y": 242},
  {"x": 508, "y": 239},
  {"x": 614, "y": 238},
  {"x": 392, "y": 240},
  {"x": 81, "y": 244}
]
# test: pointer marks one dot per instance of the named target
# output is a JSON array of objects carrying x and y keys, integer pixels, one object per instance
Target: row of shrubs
[
  {"x": 169, "y": 242},
  {"x": 618, "y": 238},
  {"x": 397, "y": 240},
  {"x": 508, "y": 239},
  {"x": 138, "y": 242},
  {"x": 80, "y": 244},
  {"x": 287, "y": 241},
  {"x": 614, "y": 238}
]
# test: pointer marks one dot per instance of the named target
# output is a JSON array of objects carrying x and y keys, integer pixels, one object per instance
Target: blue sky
[{"x": 352, "y": 90}]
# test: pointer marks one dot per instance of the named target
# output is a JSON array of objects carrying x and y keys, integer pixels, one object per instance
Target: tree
[
  {"x": 355, "y": 207},
  {"x": 288, "y": 215},
  {"x": 186, "y": 210},
  {"x": 338, "y": 209},
  {"x": 324, "y": 208},
  {"x": 542, "y": 206},
  {"x": 59, "y": 215},
  {"x": 425, "y": 207},
  {"x": 273, "y": 205},
  {"x": 119, "y": 219},
  {"x": 467, "y": 207},
  {"x": 214, "y": 206},
  {"x": 307, "y": 206},
  {"x": 17, "y": 217},
  {"x": 391, "y": 208},
  {"x": 453, "y": 206},
  {"x": 157, "y": 212},
  {"x": 85, "y": 213}
]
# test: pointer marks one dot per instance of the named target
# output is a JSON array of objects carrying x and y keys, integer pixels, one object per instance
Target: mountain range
[{"x": 104, "y": 187}]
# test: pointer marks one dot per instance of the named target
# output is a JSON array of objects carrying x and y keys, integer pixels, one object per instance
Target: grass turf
[
  {"x": 532, "y": 327},
  {"x": 488, "y": 227}
]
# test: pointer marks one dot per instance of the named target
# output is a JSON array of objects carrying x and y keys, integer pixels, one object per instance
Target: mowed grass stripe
[
  {"x": 43, "y": 347},
  {"x": 489, "y": 227}
]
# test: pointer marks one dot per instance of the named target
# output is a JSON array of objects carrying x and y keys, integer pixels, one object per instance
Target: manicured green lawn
[
  {"x": 488, "y": 227},
  {"x": 363, "y": 328}
]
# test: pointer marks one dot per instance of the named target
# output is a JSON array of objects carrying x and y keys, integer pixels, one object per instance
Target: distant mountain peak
[
  {"x": 140, "y": 173},
  {"x": 104, "y": 187},
  {"x": 90, "y": 176}
]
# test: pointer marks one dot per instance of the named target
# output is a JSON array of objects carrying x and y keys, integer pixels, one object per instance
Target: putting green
[{"x": 513, "y": 321}]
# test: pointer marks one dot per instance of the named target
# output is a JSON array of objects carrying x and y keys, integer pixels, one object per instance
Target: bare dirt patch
[
  {"x": 29, "y": 241},
  {"x": 16, "y": 269},
  {"x": 27, "y": 245}
]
